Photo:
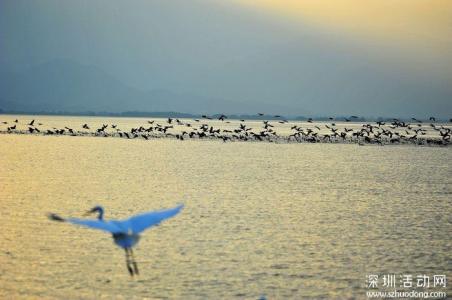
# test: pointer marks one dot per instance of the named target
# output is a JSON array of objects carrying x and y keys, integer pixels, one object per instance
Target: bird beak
[{"x": 89, "y": 212}]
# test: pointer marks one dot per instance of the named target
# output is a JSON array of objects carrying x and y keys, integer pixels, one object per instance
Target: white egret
[{"x": 126, "y": 233}]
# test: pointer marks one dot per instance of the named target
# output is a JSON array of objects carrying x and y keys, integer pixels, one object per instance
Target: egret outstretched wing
[
  {"x": 96, "y": 224},
  {"x": 142, "y": 222}
]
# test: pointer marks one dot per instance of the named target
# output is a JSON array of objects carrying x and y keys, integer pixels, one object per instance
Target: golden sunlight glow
[{"x": 421, "y": 21}]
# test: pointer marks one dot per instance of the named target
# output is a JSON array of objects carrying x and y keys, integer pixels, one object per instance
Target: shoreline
[{"x": 276, "y": 140}]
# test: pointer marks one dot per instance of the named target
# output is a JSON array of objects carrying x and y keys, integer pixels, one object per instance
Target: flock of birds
[{"x": 220, "y": 127}]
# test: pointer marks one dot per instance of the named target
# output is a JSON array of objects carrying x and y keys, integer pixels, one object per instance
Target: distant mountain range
[{"x": 67, "y": 86}]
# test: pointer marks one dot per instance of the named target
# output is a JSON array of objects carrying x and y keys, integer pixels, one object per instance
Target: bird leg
[
  {"x": 128, "y": 262},
  {"x": 135, "y": 266}
]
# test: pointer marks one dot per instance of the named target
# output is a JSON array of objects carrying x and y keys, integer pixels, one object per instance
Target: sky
[
  {"x": 294, "y": 57},
  {"x": 420, "y": 29}
]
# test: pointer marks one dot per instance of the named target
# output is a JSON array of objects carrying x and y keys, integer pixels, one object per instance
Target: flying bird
[
  {"x": 222, "y": 117},
  {"x": 125, "y": 233}
]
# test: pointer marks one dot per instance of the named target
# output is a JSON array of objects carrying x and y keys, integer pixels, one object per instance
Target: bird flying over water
[{"x": 125, "y": 233}]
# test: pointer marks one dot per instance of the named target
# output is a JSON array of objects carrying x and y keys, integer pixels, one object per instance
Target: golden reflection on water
[{"x": 287, "y": 221}]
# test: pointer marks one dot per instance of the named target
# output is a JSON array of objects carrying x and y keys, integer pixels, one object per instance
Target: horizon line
[{"x": 233, "y": 116}]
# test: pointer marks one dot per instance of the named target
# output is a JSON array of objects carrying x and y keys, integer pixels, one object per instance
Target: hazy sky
[
  {"x": 339, "y": 57},
  {"x": 420, "y": 30}
]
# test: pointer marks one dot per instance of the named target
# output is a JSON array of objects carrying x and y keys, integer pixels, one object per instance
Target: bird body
[
  {"x": 125, "y": 233},
  {"x": 126, "y": 240}
]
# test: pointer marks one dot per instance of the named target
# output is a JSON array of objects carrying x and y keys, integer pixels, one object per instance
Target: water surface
[{"x": 282, "y": 220}]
